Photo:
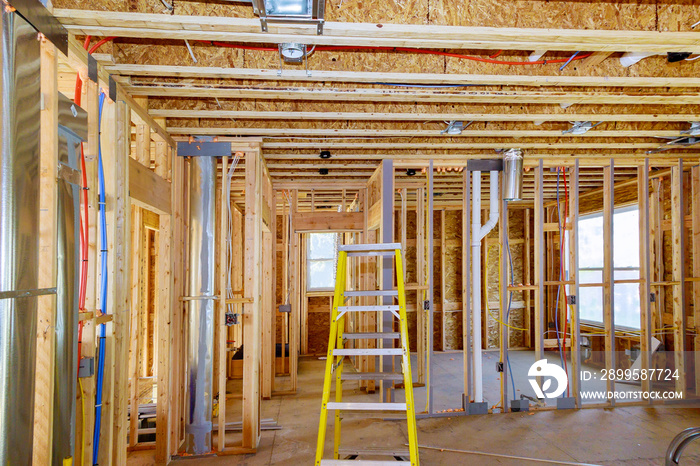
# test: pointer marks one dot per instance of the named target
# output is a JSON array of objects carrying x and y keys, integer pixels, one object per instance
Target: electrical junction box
[
  {"x": 231, "y": 319},
  {"x": 86, "y": 367},
  {"x": 519, "y": 405},
  {"x": 285, "y": 308}
]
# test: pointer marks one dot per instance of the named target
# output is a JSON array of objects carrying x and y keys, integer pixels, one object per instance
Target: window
[
  {"x": 625, "y": 266},
  {"x": 321, "y": 259}
]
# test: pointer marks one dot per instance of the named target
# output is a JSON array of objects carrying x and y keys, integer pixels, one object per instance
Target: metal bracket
[
  {"x": 426, "y": 305},
  {"x": 571, "y": 300},
  {"x": 652, "y": 297},
  {"x": 485, "y": 165},
  {"x": 499, "y": 366}
]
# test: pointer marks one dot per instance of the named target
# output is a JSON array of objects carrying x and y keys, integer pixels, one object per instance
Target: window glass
[
  {"x": 321, "y": 259},
  {"x": 626, "y": 267}
]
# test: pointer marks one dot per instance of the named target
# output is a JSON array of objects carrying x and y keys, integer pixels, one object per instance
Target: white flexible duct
[{"x": 478, "y": 233}]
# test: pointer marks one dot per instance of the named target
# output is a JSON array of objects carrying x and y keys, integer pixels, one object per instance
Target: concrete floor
[{"x": 620, "y": 436}]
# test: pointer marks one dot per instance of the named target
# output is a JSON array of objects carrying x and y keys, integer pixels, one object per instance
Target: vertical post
[
  {"x": 121, "y": 283},
  {"x": 387, "y": 232},
  {"x": 46, "y": 308},
  {"x": 420, "y": 274},
  {"x": 695, "y": 216},
  {"x": 608, "y": 275},
  {"x": 430, "y": 286},
  {"x": 466, "y": 288},
  {"x": 503, "y": 238},
  {"x": 443, "y": 285},
  {"x": 539, "y": 261},
  {"x": 678, "y": 241},
  {"x": 295, "y": 295},
  {"x": 134, "y": 360},
  {"x": 574, "y": 288},
  {"x": 224, "y": 270},
  {"x": 644, "y": 270},
  {"x": 252, "y": 330}
]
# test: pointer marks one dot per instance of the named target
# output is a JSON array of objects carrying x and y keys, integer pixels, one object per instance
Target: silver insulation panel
[
  {"x": 200, "y": 338},
  {"x": 19, "y": 239}
]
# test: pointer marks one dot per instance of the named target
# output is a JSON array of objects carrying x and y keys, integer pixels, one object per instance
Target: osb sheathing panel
[
  {"x": 412, "y": 319},
  {"x": 318, "y": 324},
  {"x": 437, "y": 331}
]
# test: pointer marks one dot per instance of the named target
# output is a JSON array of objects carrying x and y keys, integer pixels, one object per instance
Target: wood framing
[
  {"x": 608, "y": 275},
  {"x": 46, "y": 310},
  {"x": 678, "y": 267},
  {"x": 252, "y": 312}
]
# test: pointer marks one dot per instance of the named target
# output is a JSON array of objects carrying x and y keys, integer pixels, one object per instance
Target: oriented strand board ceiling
[{"x": 386, "y": 76}]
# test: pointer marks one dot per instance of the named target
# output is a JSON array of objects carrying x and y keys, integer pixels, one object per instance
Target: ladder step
[
  {"x": 371, "y": 335},
  {"x": 350, "y": 294},
  {"x": 373, "y": 451},
  {"x": 371, "y": 376},
  {"x": 387, "y": 308},
  {"x": 367, "y": 406},
  {"x": 363, "y": 462},
  {"x": 368, "y": 352},
  {"x": 369, "y": 247}
]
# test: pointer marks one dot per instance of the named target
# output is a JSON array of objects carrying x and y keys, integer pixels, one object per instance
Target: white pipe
[{"x": 478, "y": 233}]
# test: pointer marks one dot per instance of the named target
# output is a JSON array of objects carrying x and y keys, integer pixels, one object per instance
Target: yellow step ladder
[{"x": 337, "y": 352}]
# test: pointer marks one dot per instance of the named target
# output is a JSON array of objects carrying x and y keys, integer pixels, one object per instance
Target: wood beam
[
  {"x": 398, "y": 116},
  {"x": 158, "y": 26},
  {"x": 383, "y": 95},
  {"x": 608, "y": 275},
  {"x": 400, "y": 78},
  {"x": 409, "y": 133},
  {"x": 148, "y": 189}
]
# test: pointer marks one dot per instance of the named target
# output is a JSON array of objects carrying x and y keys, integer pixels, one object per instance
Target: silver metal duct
[
  {"x": 200, "y": 336},
  {"x": 513, "y": 175},
  {"x": 72, "y": 129},
  {"x": 19, "y": 238}
]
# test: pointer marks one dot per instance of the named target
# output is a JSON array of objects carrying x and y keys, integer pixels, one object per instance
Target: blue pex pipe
[{"x": 103, "y": 290}]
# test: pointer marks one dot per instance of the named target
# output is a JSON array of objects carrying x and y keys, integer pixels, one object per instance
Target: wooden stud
[
  {"x": 608, "y": 275},
  {"x": 46, "y": 310},
  {"x": 143, "y": 145},
  {"x": 644, "y": 271},
  {"x": 295, "y": 295},
  {"x": 136, "y": 309},
  {"x": 678, "y": 261},
  {"x": 224, "y": 200},
  {"x": 574, "y": 276},
  {"x": 695, "y": 231},
  {"x": 539, "y": 263},
  {"x": 420, "y": 279},
  {"x": 466, "y": 291},
  {"x": 443, "y": 284},
  {"x": 252, "y": 330}
]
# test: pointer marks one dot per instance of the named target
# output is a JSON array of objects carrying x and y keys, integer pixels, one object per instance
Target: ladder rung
[
  {"x": 369, "y": 247},
  {"x": 366, "y": 406},
  {"x": 371, "y": 335},
  {"x": 350, "y": 294},
  {"x": 371, "y": 376},
  {"x": 370, "y": 451},
  {"x": 387, "y": 308},
  {"x": 363, "y": 462},
  {"x": 368, "y": 352}
]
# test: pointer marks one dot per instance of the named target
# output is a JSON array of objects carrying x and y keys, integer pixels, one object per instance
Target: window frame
[
  {"x": 601, "y": 323},
  {"x": 309, "y": 261}
]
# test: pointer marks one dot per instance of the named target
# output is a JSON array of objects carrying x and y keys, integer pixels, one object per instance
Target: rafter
[
  {"x": 384, "y": 95},
  {"x": 158, "y": 26},
  {"x": 400, "y": 78},
  {"x": 396, "y": 116}
]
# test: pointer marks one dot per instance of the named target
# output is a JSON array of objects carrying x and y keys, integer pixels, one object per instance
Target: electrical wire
[
  {"x": 510, "y": 299},
  {"x": 229, "y": 239},
  {"x": 103, "y": 287},
  {"x": 556, "y": 308}
]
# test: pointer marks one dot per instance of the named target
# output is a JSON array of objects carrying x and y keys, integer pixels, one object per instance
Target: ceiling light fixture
[
  {"x": 290, "y": 11},
  {"x": 323, "y": 171},
  {"x": 410, "y": 172},
  {"x": 580, "y": 127},
  {"x": 325, "y": 154},
  {"x": 454, "y": 128},
  {"x": 292, "y": 52}
]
